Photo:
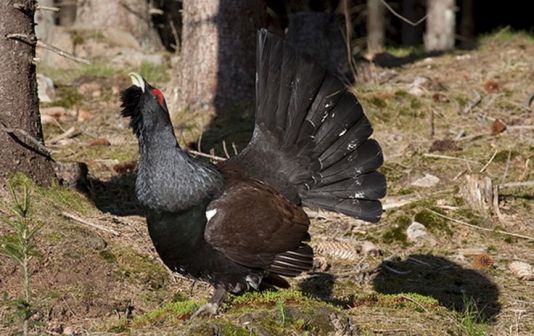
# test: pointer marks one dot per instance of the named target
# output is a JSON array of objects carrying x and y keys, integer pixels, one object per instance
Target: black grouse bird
[{"x": 239, "y": 224}]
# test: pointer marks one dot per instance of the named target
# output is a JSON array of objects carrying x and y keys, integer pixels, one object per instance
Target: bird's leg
[{"x": 212, "y": 306}]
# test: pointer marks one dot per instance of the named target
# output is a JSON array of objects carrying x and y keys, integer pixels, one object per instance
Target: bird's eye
[{"x": 159, "y": 97}]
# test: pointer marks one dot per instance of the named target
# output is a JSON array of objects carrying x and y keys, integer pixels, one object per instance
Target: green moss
[
  {"x": 217, "y": 327},
  {"x": 169, "y": 313},
  {"x": 397, "y": 232},
  {"x": 140, "y": 268},
  {"x": 267, "y": 297},
  {"x": 402, "y": 94},
  {"x": 378, "y": 102},
  {"x": 108, "y": 256},
  {"x": 432, "y": 221},
  {"x": 502, "y": 156}
]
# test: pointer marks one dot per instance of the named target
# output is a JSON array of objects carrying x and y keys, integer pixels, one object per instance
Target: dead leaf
[
  {"x": 440, "y": 98},
  {"x": 444, "y": 146},
  {"x": 99, "y": 142},
  {"x": 84, "y": 115},
  {"x": 491, "y": 86},
  {"x": 498, "y": 127},
  {"x": 125, "y": 167},
  {"x": 482, "y": 262}
]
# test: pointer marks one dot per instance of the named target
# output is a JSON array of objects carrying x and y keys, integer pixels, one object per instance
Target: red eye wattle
[{"x": 159, "y": 96}]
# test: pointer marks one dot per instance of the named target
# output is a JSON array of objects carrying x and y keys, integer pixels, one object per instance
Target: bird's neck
[{"x": 169, "y": 179}]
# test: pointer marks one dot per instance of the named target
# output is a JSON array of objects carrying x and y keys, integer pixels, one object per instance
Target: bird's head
[{"x": 145, "y": 106}]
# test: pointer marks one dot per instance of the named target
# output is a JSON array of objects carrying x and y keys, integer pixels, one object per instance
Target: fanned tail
[{"x": 311, "y": 140}]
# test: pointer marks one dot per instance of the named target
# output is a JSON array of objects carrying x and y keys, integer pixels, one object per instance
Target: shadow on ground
[
  {"x": 115, "y": 196},
  {"x": 453, "y": 286}
]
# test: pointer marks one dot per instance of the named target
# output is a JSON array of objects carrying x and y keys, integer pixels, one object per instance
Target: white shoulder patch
[{"x": 210, "y": 214}]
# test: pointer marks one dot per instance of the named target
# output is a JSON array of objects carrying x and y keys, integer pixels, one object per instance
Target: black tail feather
[
  {"x": 311, "y": 140},
  {"x": 293, "y": 263}
]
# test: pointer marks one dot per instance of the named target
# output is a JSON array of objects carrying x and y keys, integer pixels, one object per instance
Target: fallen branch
[
  {"x": 47, "y": 8},
  {"x": 516, "y": 184},
  {"x": 62, "y": 52},
  {"x": 86, "y": 222},
  {"x": 481, "y": 228},
  {"x": 70, "y": 133},
  {"x": 416, "y": 23}
]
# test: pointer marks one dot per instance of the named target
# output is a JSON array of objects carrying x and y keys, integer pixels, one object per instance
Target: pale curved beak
[{"x": 137, "y": 80}]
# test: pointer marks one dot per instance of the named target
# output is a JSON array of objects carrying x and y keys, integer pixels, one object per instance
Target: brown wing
[{"x": 251, "y": 223}]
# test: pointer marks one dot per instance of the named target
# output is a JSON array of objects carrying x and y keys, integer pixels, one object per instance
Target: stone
[
  {"x": 45, "y": 89},
  {"x": 427, "y": 181}
]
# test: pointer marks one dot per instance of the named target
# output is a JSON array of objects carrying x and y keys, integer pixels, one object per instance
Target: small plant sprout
[{"x": 19, "y": 246}]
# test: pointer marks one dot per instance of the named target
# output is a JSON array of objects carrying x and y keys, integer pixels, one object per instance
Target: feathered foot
[{"x": 211, "y": 308}]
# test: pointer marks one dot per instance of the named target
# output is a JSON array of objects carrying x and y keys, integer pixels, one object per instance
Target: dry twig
[
  {"x": 489, "y": 162},
  {"x": 86, "y": 222},
  {"x": 454, "y": 220},
  {"x": 209, "y": 156},
  {"x": 446, "y": 157},
  {"x": 416, "y": 23}
]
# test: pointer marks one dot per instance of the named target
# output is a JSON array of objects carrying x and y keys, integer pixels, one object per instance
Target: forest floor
[{"x": 449, "y": 125}]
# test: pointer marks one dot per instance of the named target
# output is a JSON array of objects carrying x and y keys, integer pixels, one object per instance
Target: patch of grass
[
  {"x": 154, "y": 73},
  {"x": 120, "y": 153},
  {"x": 405, "y": 51},
  {"x": 64, "y": 198},
  {"x": 413, "y": 301},
  {"x": 470, "y": 318},
  {"x": 68, "y": 97},
  {"x": 67, "y": 76}
]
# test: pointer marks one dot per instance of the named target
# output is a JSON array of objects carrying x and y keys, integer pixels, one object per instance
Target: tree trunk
[
  {"x": 216, "y": 72},
  {"x": 467, "y": 24},
  {"x": 130, "y": 16},
  {"x": 413, "y": 11},
  {"x": 45, "y": 21},
  {"x": 67, "y": 12},
  {"x": 440, "y": 25},
  {"x": 375, "y": 27},
  {"x": 318, "y": 35},
  {"x": 20, "y": 125}
]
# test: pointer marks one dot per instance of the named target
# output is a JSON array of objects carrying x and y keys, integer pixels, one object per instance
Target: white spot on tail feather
[
  {"x": 343, "y": 132},
  {"x": 210, "y": 214}
]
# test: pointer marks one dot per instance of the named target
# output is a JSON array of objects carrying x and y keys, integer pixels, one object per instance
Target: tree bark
[
  {"x": 440, "y": 25},
  {"x": 467, "y": 24},
  {"x": 375, "y": 27},
  {"x": 130, "y": 16},
  {"x": 216, "y": 72},
  {"x": 20, "y": 125}
]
